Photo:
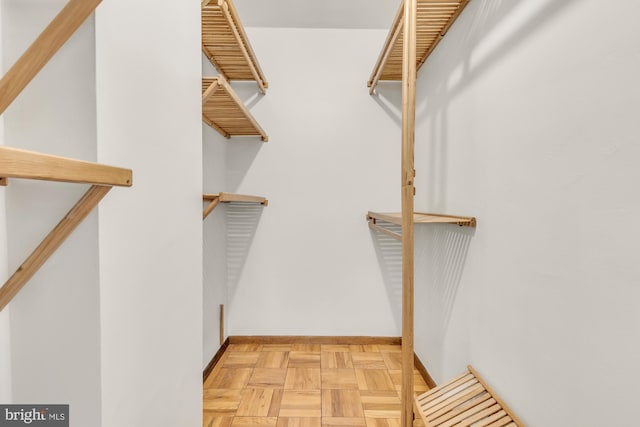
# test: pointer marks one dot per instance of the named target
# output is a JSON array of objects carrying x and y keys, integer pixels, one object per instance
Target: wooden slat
[
  {"x": 231, "y": 197},
  {"x": 392, "y": 37},
  {"x": 466, "y": 400},
  {"x": 495, "y": 396},
  {"x": 424, "y": 218},
  {"x": 226, "y": 44},
  {"x": 52, "y": 242},
  {"x": 434, "y": 18},
  {"x": 43, "y": 48},
  {"x": 376, "y": 227},
  {"x": 223, "y": 110},
  {"x": 16, "y": 163},
  {"x": 214, "y": 199},
  {"x": 210, "y": 207}
]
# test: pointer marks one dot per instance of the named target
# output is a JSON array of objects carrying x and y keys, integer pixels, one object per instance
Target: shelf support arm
[
  {"x": 213, "y": 202},
  {"x": 43, "y": 48},
  {"x": 51, "y": 243}
]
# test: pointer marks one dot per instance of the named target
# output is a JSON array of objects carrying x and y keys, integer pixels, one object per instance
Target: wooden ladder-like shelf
[
  {"x": 225, "y": 112},
  {"x": 214, "y": 199},
  {"x": 24, "y": 164},
  {"x": 433, "y": 19},
  {"x": 466, "y": 400},
  {"x": 226, "y": 44}
]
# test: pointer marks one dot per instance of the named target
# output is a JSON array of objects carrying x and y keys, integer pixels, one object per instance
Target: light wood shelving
[
  {"x": 22, "y": 164},
  {"x": 418, "y": 218},
  {"x": 52, "y": 38},
  {"x": 226, "y": 44},
  {"x": 418, "y": 27},
  {"x": 464, "y": 400},
  {"x": 433, "y": 20},
  {"x": 214, "y": 199},
  {"x": 225, "y": 112}
]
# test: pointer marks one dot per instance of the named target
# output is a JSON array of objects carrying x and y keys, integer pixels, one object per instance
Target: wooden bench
[{"x": 466, "y": 400}]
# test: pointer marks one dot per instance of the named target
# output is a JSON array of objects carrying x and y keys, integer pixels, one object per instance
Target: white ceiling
[{"x": 317, "y": 13}]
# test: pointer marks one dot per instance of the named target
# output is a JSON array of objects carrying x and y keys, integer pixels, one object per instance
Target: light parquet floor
[{"x": 306, "y": 385}]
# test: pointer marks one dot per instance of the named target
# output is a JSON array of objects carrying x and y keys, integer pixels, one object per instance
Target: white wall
[
  {"x": 149, "y": 119},
  {"x": 214, "y": 243},
  {"x": 527, "y": 117},
  {"x": 54, "y": 319},
  {"x": 307, "y": 263},
  {"x": 5, "y": 328}
]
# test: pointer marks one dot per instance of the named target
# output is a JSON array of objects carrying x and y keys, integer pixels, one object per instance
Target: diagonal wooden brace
[
  {"x": 52, "y": 242},
  {"x": 43, "y": 48}
]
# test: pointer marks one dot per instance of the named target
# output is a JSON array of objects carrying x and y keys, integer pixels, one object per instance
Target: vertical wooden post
[
  {"x": 221, "y": 324},
  {"x": 408, "y": 174}
]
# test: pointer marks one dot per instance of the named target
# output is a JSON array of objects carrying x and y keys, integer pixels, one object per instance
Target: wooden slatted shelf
[
  {"x": 52, "y": 38},
  {"x": 433, "y": 20},
  {"x": 226, "y": 44},
  {"x": 214, "y": 199},
  {"x": 225, "y": 112},
  {"x": 15, "y": 163},
  {"x": 465, "y": 400},
  {"x": 418, "y": 218}
]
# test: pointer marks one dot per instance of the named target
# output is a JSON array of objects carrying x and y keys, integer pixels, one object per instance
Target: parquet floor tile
[
  {"x": 335, "y": 347},
  {"x": 301, "y": 403},
  {"x": 367, "y": 360},
  {"x": 272, "y": 359},
  {"x": 374, "y": 379},
  {"x": 306, "y": 385},
  {"x": 244, "y": 347},
  {"x": 302, "y": 379},
  {"x": 335, "y": 359},
  {"x": 244, "y": 359},
  {"x": 256, "y": 402},
  {"x": 343, "y": 421},
  {"x": 341, "y": 403},
  {"x": 232, "y": 378},
  {"x": 383, "y": 422},
  {"x": 299, "y": 422},
  {"x": 368, "y": 348},
  {"x": 254, "y": 422},
  {"x": 392, "y": 360},
  {"x": 306, "y": 347},
  {"x": 267, "y": 378},
  {"x": 304, "y": 359},
  {"x": 339, "y": 379}
]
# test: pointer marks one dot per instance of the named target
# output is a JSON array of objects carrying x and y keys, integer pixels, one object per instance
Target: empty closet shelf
[
  {"x": 22, "y": 164},
  {"x": 225, "y": 112},
  {"x": 214, "y": 199},
  {"x": 434, "y": 17},
  {"x": 378, "y": 220},
  {"x": 226, "y": 44}
]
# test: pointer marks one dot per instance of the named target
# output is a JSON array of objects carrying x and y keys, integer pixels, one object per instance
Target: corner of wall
[{"x": 5, "y": 329}]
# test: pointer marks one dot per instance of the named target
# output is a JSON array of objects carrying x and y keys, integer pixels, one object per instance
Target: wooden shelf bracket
[
  {"x": 213, "y": 200},
  {"x": 24, "y": 164},
  {"x": 52, "y": 38}
]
